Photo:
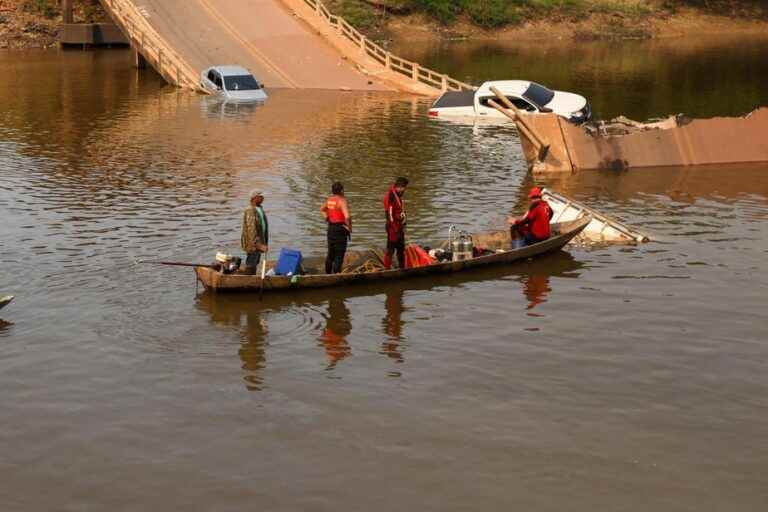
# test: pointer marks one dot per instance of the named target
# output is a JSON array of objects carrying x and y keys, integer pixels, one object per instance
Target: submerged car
[
  {"x": 527, "y": 96},
  {"x": 232, "y": 83}
]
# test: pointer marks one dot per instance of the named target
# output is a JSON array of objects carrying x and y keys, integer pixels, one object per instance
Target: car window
[
  {"x": 215, "y": 77},
  {"x": 518, "y": 102},
  {"x": 538, "y": 94},
  {"x": 241, "y": 83}
]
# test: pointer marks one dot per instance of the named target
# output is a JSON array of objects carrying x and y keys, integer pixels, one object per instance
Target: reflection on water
[
  {"x": 632, "y": 367},
  {"x": 5, "y": 327},
  {"x": 334, "y": 337},
  {"x": 393, "y": 325},
  {"x": 536, "y": 288},
  {"x": 329, "y": 320}
]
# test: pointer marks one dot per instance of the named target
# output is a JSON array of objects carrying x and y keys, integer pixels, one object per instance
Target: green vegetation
[
  {"x": 359, "y": 14},
  {"x": 499, "y": 13},
  {"x": 47, "y": 8},
  {"x": 85, "y": 10}
]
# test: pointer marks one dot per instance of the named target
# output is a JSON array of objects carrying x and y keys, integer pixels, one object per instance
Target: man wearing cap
[
  {"x": 255, "y": 236},
  {"x": 534, "y": 225}
]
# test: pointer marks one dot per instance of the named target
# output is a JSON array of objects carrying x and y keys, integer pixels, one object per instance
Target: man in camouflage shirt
[{"x": 255, "y": 237}]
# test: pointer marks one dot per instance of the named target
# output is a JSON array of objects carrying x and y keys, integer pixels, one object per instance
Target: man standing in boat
[
  {"x": 336, "y": 212},
  {"x": 534, "y": 225},
  {"x": 394, "y": 209},
  {"x": 255, "y": 235}
]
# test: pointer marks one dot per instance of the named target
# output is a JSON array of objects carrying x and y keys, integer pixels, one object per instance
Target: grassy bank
[
  {"x": 36, "y": 23},
  {"x": 596, "y": 18}
]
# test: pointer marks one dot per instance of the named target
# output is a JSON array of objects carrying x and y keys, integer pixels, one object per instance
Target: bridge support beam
[
  {"x": 139, "y": 62},
  {"x": 67, "y": 12}
]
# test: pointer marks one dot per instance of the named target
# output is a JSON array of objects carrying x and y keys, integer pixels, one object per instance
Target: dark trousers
[
  {"x": 392, "y": 247},
  {"x": 337, "y": 247},
  {"x": 525, "y": 234},
  {"x": 252, "y": 260},
  {"x": 530, "y": 239}
]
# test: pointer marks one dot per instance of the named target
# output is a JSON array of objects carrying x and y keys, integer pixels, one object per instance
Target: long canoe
[
  {"x": 498, "y": 241},
  {"x": 5, "y": 300}
]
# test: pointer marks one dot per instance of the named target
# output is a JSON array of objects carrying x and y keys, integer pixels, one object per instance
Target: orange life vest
[{"x": 334, "y": 211}]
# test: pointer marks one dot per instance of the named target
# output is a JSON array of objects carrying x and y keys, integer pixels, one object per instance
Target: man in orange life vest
[
  {"x": 394, "y": 209},
  {"x": 534, "y": 225},
  {"x": 336, "y": 212}
]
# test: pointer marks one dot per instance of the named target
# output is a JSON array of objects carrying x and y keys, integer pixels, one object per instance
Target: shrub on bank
[
  {"x": 47, "y": 8},
  {"x": 498, "y": 13},
  {"x": 493, "y": 13}
]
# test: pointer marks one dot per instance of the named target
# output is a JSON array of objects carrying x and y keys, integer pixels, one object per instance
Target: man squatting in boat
[
  {"x": 534, "y": 225},
  {"x": 254, "y": 239},
  {"x": 394, "y": 210},
  {"x": 336, "y": 212}
]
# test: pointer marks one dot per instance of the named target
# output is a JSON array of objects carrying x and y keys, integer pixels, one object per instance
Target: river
[{"x": 605, "y": 378}]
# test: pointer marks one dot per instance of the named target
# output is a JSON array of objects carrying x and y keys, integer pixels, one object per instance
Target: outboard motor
[{"x": 227, "y": 263}]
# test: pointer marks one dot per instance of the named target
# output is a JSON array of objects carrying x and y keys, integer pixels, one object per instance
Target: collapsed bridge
[{"x": 284, "y": 43}]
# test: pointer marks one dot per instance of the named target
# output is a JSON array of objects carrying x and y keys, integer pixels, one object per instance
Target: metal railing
[
  {"x": 151, "y": 46},
  {"x": 409, "y": 69}
]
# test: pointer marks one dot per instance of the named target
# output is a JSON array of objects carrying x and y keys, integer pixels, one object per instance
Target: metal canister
[{"x": 462, "y": 246}]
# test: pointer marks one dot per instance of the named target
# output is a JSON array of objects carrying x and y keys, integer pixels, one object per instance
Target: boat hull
[{"x": 216, "y": 281}]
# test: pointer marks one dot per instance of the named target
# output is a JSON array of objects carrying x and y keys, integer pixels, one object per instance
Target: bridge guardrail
[
  {"x": 412, "y": 70},
  {"x": 155, "y": 50}
]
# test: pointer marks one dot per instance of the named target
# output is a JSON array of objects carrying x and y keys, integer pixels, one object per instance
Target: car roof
[
  {"x": 516, "y": 87},
  {"x": 231, "y": 70}
]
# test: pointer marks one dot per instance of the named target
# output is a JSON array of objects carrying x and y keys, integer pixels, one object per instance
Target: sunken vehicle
[
  {"x": 232, "y": 84},
  {"x": 527, "y": 96}
]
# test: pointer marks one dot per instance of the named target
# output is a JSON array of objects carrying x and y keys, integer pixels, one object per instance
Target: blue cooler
[{"x": 288, "y": 263}]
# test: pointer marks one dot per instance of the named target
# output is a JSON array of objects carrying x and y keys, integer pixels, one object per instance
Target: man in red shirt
[
  {"x": 394, "y": 209},
  {"x": 534, "y": 225}
]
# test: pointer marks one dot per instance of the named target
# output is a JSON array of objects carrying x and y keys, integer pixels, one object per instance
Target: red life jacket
[
  {"x": 539, "y": 216},
  {"x": 334, "y": 211},
  {"x": 393, "y": 209}
]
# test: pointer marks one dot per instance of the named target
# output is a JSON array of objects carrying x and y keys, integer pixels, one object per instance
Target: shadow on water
[{"x": 248, "y": 315}]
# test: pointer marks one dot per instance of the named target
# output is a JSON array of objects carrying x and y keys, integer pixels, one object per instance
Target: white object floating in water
[
  {"x": 5, "y": 300},
  {"x": 601, "y": 229}
]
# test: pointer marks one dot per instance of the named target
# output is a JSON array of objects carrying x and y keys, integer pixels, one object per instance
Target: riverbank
[
  {"x": 36, "y": 23},
  {"x": 28, "y": 24},
  {"x": 558, "y": 19}
]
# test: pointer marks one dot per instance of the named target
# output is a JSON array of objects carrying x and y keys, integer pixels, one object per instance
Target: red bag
[{"x": 415, "y": 256}]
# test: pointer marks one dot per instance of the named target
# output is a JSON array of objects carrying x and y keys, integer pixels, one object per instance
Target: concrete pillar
[
  {"x": 67, "y": 14},
  {"x": 139, "y": 62}
]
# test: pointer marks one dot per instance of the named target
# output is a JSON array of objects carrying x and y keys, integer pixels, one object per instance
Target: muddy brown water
[{"x": 607, "y": 378}]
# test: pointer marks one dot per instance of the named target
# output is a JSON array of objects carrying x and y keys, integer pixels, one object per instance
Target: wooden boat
[
  {"x": 497, "y": 241},
  {"x": 5, "y": 300}
]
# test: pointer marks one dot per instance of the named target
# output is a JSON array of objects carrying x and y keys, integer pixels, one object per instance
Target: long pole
[
  {"x": 176, "y": 264},
  {"x": 263, "y": 274}
]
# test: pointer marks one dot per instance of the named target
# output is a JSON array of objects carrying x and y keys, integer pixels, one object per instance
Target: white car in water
[
  {"x": 232, "y": 83},
  {"x": 527, "y": 96}
]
